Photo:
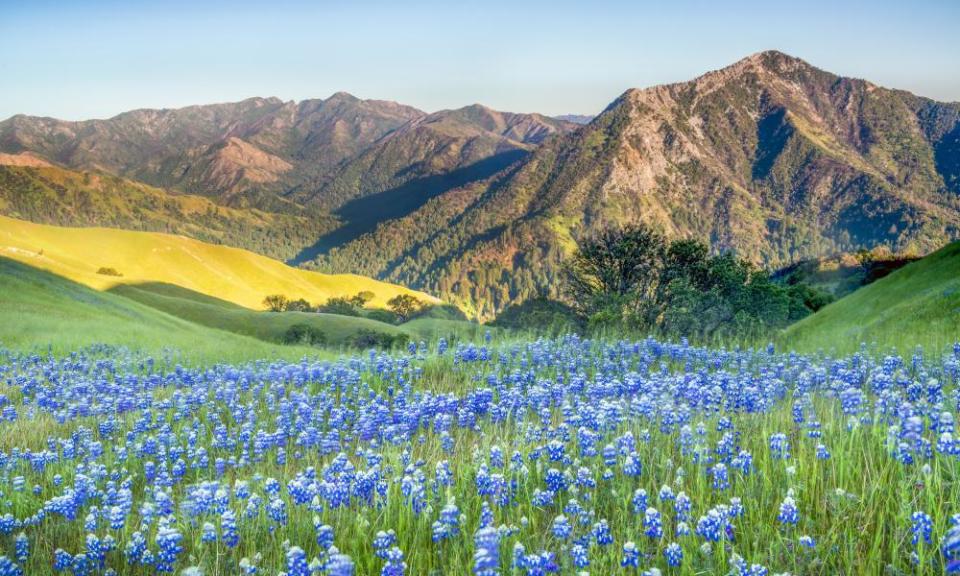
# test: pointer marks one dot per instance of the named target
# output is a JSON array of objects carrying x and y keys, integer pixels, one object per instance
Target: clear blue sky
[{"x": 99, "y": 58}]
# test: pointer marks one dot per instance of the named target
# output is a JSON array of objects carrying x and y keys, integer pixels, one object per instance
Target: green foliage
[
  {"x": 405, "y": 306},
  {"x": 275, "y": 302},
  {"x": 374, "y": 339},
  {"x": 304, "y": 334},
  {"x": 541, "y": 314},
  {"x": 631, "y": 277},
  {"x": 341, "y": 305},
  {"x": 298, "y": 305},
  {"x": 106, "y": 271}
]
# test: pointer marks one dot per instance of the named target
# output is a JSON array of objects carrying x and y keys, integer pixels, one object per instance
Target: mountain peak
[{"x": 342, "y": 97}]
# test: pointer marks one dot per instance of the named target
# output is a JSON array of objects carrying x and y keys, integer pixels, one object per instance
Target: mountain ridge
[{"x": 770, "y": 157}]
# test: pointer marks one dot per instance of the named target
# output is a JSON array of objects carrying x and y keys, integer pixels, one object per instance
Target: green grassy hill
[
  {"x": 269, "y": 326},
  {"x": 41, "y": 311},
  {"x": 917, "y": 304}
]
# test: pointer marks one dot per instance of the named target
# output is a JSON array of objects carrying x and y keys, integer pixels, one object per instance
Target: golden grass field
[{"x": 230, "y": 274}]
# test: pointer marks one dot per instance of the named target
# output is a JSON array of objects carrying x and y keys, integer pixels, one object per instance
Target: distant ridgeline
[{"x": 770, "y": 158}]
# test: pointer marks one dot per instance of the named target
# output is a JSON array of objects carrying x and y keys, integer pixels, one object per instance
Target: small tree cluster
[
  {"x": 343, "y": 305},
  {"x": 633, "y": 276}
]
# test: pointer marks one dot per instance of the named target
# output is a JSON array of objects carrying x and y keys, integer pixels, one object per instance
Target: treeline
[{"x": 400, "y": 308}]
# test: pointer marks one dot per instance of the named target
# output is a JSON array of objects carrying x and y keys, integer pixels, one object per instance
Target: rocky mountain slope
[{"x": 770, "y": 157}]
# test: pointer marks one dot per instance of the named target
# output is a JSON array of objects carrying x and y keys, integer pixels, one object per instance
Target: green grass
[
  {"x": 270, "y": 326},
  {"x": 918, "y": 304},
  {"x": 41, "y": 311}
]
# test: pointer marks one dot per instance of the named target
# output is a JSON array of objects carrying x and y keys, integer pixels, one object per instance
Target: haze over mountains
[{"x": 770, "y": 157}]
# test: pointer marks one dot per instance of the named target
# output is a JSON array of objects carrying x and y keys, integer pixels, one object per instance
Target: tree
[
  {"x": 632, "y": 276},
  {"x": 405, "y": 306},
  {"x": 339, "y": 305},
  {"x": 299, "y": 305},
  {"x": 615, "y": 271},
  {"x": 275, "y": 302},
  {"x": 361, "y": 298}
]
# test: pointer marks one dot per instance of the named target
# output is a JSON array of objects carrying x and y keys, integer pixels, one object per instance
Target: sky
[{"x": 77, "y": 60}]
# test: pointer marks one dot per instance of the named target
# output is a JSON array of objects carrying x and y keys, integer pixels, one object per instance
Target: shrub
[
  {"x": 275, "y": 302},
  {"x": 105, "y": 271},
  {"x": 373, "y": 339},
  {"x": 304, "y": 334},
  {"x": 339, "y": 305}
]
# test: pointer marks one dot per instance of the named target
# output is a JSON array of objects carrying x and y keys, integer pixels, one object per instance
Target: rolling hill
[
  {"x": 42, "y": 311},
  {"x": 47, "y": 194},
  {"x": 230, "y": 274},
  {"x": 919, "y": 304},
  {"x": 769, "y": 157}
]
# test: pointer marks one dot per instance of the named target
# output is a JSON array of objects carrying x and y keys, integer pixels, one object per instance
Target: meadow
[{"x": 513, "y": 457}]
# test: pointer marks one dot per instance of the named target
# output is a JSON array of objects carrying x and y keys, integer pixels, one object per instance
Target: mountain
[
  {"x": 422, "y": 159},
  {"x": 576, "y": 118},
  {"x": 770, "y": 157},
  {"x": 918, "y": 304},
  {"x": 296, "y": 157}
]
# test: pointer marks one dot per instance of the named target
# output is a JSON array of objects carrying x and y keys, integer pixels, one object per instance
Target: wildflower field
[{"x": 566, "y": 456}]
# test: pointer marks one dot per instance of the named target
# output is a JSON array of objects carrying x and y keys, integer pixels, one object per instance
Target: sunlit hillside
[{"x": 230, "y": 274}]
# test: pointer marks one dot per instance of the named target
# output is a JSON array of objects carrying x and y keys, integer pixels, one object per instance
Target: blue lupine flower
[
  {"x": 340, "y": 565},
  {"x": 394, "y": 566},
  {"x": 631, "y": 556},
  {"x": 22, "y": 547},
  {"x": 652, "y": 523},
  {"x": 951, "y": 549},
  {"x": 580, "y": 555},
  {"x": 228, "y": 529},
  {"x": 788, "y": 511},
  {"x": 674, "y": 554},
  {"x": 601, "y": 532},
  {"x": 922, "y": 527},
  {"x": 561, "y": 527},
  {"x": 9, "y": 568},
  {"x": 297, "y": 562},
  {"x": 168, "y": 541},
  {"x": 486, "y": 557},
  {"x": 639, "y": 501}
]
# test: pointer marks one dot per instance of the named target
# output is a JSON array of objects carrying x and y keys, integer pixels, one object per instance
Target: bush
[
  {"x": 540, "y": 313},
  {"x": 339, "y": 305},
  {"x": 304, "y": 334},
  {"x": 299, "y": 305},
  {"x": 373, "y": 339},
  {"x": 105, "y": 271},
  {"x": 275, "y": 302},
  {"x": 381, "y": 315},
  {"x": 634, "y": 278}
]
